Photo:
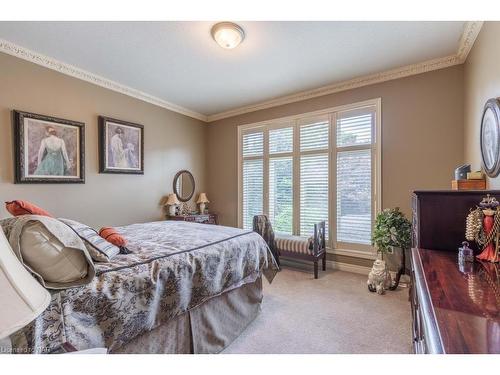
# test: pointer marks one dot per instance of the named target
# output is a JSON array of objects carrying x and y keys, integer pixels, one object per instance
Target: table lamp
[
  {"x": 172, "y": 202},
  {"x": 202, "y": 200},
  {"x": 23, "y": 298}
]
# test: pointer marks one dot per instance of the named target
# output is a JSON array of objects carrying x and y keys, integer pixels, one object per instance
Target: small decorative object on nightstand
[
  {"x": 202, "y": 200},
  {"x": 172, "y": 203}
]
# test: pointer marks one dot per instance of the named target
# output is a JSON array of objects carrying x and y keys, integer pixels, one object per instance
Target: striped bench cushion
[{"x": 294, "y": 244}]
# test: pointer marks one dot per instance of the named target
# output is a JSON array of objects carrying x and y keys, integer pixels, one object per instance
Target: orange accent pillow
[
  {"x": 18, "y": 208},
  {"x": 111, "y": 235}
]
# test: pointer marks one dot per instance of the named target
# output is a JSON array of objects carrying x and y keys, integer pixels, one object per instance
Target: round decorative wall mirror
[
  {"x": 184, "y": 185},
  {"x": 490, "y": 137}
]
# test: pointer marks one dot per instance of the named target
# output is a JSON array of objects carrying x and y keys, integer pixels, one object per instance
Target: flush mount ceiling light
[{"x": 228, "y": 35}]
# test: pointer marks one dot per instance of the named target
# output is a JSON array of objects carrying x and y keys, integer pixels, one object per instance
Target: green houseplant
[{"x": 392, "y": 230}]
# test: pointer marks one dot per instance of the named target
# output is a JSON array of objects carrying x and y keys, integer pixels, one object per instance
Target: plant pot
[{"x": 396, "y": 262}]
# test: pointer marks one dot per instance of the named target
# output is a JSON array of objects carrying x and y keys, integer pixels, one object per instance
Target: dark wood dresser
[
  {"x": 455, "y": 309},
  {"x": 197, "y": 218}
]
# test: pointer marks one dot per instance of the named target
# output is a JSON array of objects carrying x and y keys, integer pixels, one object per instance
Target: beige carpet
[{"x": 333, "y": 314}]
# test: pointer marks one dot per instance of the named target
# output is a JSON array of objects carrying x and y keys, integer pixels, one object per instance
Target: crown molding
[
  {"x": 70, "y": 70},
  {"x": 471, "y": 31},
  {"x": 469, "y": 35},
  {"x": 406, "y": 71}
]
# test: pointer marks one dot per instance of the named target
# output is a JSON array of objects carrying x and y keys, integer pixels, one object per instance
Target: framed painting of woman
[
  {"x": 48, "y": 149},
  {"x": 121, "y": 146}
]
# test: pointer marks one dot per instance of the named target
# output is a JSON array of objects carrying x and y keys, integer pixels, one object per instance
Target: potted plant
[{"x": 392, "y": 230}]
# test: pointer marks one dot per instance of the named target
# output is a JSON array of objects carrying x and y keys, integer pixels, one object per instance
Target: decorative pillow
[
  {"x": 50, "y": 250},
  {"x": 45, "y": 254},
  {"x": 111, "y": 235},
  {"x": 18, "y": 208},
  {"x": 100, "y": 250}
]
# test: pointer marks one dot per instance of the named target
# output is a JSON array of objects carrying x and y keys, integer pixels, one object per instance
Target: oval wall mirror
[{"x": 184, "y": 185}]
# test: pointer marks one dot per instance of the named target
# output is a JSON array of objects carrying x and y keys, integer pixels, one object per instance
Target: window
[{"x": 320, "y": 166}]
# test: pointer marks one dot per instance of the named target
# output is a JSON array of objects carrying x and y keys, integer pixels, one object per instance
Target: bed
[{"x": 184, "y": 288}]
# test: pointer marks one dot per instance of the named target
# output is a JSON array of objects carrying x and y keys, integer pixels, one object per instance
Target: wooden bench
[{"x": 312, "y": 248}]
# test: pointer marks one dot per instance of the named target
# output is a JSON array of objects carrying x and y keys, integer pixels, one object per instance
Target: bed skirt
[{"x": 207, "y": 328}]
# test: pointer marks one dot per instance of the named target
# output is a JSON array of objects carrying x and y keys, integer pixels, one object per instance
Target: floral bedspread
[{"x": 174, "y": 266}]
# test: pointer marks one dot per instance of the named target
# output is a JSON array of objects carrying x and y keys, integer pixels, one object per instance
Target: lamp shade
[
  {"x": 172, "y": 199},
  {"x": 23, "y": 298},
  {"x": 202, "y": 198}
]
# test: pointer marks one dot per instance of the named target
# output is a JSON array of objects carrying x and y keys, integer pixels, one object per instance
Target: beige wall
[
  {"x": 481, "y": 82},
  {"x": 422, "y": 137},
  {"x": 172, "y": 142}
]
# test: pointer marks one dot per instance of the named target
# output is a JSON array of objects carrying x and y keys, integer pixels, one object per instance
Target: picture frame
[
  {"x": 47, "y": 149},
  {"x": 121, "y": 146}
]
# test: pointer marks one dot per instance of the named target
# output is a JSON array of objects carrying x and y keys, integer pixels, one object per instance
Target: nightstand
[{"x": 197, "y": 218}]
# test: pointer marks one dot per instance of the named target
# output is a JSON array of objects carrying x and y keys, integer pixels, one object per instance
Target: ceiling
[{"x": 179, "y": 63}]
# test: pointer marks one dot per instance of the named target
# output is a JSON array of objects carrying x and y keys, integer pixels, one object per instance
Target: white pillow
[{"x": 47, "y": 256}]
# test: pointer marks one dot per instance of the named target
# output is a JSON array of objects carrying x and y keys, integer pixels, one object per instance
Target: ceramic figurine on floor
[
  {"x": 483, "y": 227},
  {"x": 379, "y": 279}
]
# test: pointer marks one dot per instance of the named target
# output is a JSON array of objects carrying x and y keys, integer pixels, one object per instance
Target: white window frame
[{"x": 334, "y": 247}]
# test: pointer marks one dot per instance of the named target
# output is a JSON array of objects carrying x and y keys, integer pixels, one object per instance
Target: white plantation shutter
[
  {"x": 354, "y": 128},
  {"x": 281, "y": 194},
  {"x": 281, "y": 140},
  {"x": 313, "y": 192},
  {"x": 354, "y": 176},
  {"x": 252, "y": 191},
  {"x": 354, "y": 201},
  {"x": 252, "y": 177},
  {"x": 280, "y": 179},
  {"x": 314, "y": 202},
  {"x": 314, "y": 136},
  {"x": 253, "y": 144}
]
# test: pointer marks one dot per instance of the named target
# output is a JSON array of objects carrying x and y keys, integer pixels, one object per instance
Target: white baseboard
[
  {"x": 330, "y": 264},
  {"x": 347, "y": 267},
  {"x": 341, "y": 266}
]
